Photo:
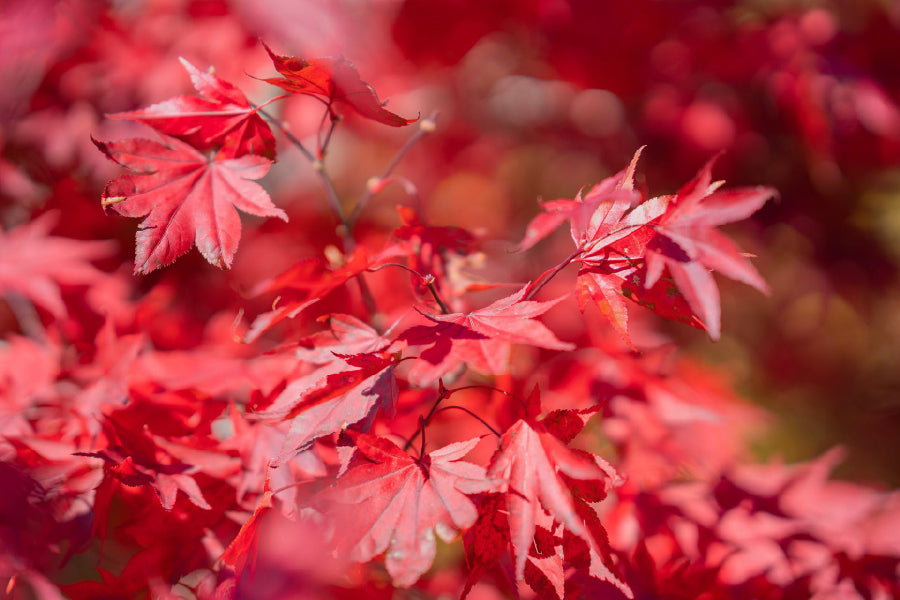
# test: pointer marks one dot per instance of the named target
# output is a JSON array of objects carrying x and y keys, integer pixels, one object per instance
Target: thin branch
[
  {"x": 330, "y": 193},
  {"x": 470, "y": 413},
  {"x": 334, "y": 202},
  {"x": 427, "y": 280},
  {"x": 537, "y": 286},
  {"x": 424, "y": 421},
  {"x": 426, "y": 126},
  {"x": 323, "y": 148},
  {"x": 483, "y": 386}
]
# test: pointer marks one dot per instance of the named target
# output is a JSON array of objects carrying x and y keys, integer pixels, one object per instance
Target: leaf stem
[
  {"x": 484, "y": 386},
  {"x": 470, "y": 413},
  {"x": 426, "y": 126},
  {"x": 545, "y": 277},
  {"x": 423, "y": 421},
  {"x": 427, "y": 280},
  {"x": 323, "y": 147}
]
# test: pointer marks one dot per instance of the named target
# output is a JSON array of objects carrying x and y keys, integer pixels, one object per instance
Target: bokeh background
[{"x": 536, "y": 98}]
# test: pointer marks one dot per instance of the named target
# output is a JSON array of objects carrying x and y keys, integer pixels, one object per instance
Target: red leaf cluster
[{"x": 403, "y": 378}]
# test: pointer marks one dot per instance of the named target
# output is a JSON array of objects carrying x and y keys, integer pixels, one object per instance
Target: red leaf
[
  {"x": 187, "y": 198},
  {"x": 481, "y": 339},
  {"x": 688, "y": 245},
  {"x": 332, "y": 80},
  {"x": 35, "y": 264},
  {"x": 220, "y": 117},
  {"x": 531, "y": 462},
  {"x": 243, "y": 547},
  {"x": 347, "y": 335},
  {"x": 303, "y": 285},
  {"x": 487, "y": 540},
  {"x": 592, "y": 215},
  {"x": 609, "y": 284},
  {"x": 396, "y": 503},
  {"x": 332, "y": 398}
]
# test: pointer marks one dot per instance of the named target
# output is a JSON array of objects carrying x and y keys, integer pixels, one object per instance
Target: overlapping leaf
[
  {"x": 689, "y": 245},
  {"x": 220, "y": 117},
  {"x": 341, "y": 393},
  {"x": 35, "y": 264},
  {"x": 480, "y": 339}
]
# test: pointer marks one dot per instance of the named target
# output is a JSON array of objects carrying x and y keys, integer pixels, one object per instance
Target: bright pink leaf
[{"x": 394, "y": 503}]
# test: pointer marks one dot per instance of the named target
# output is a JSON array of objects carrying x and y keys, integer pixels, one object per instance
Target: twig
[
  {"x": 477, "y": 418},
  {"x": 424, "y": 421},
  {"x": 334, "y": 202},
  {"x": 427, "y": 280},
  {"x": 319, "y": 167},
  {"x": 537, "y": 286},
  {"x": 426, "y": 126}
]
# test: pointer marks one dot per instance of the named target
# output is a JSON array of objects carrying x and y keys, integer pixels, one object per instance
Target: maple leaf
[
  {"x": 481, "y": 339},
  {"x": 590, "y": 214},
  {"x": 332, "y": 80},
  {"x": 544, "y": 571},
  {"x": 220, "y": 117},
  {"x": 536, "y": 468},
  {"x": 612, "y": 284},
  {"x": 393, "y": 502},
  {"x": 610, "y": 228},
  {"x": 187, "y": 197},
  {"x": 35, "y": 264},
  {"x": 346, "y": 335},
  {"x": 106, "y": 380},
  {"x": 487, "y": 540},
  {"x": 690, "y": 246},
  {"x": 342, "y": 393}
]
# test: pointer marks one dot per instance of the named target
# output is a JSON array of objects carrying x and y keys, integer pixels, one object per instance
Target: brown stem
[
  {"x": 426, "y": 126},
  {"x": 330, "y": 193},
  {"x": 428, "y": 280}
]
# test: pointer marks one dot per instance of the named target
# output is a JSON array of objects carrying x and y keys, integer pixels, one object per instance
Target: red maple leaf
[
  {"x": 35, "y": 264},
  {"x": 221, "y": 117},
  {"x": 610, "y": 228},
  {"x": 690, "y": 246},
  {"x": 187, "y": 197},
  {"x": 481, "y": 339},
  {"x": 332, "y": 80},
  {"x": 539, "y": 470},
  {"x": 346, "y": 335},
  {"x": 590, "y": 215},
  {"x": 344, "y": 392},
  {"x": 393, "y": 502}
]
